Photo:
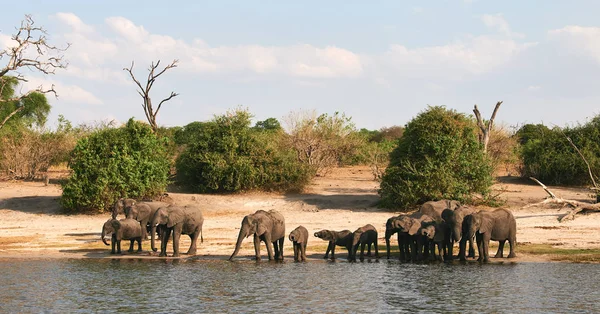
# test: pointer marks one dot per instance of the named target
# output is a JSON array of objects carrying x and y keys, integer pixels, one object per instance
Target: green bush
[
  {"x": 227, "y": 155},
  {"x": 548, "y": 156},
  {"x": 129, "y": 161},
  {"x": 438, "y": 157}
]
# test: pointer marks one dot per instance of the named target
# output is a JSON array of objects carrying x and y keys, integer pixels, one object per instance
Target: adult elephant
[
  {"x": 268, "y": 227},
  {"x": 434, "y": 209},
  {"x": 140, "y": 211},
  {"x": 177, "y": 220},
  {"x": 498, "y": 225},
  {"x": 123, "y": 203},
  {"x": 395, "y": 225},
  {"x": 454, "y": 220}
]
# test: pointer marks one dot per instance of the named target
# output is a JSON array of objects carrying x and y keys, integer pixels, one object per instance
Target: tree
[
  {"x": 31, "y": 51},
  {"x": 485, "y": 128},
  {"x": 149, "y": 110},
  {"x": 438, "y": 157}
]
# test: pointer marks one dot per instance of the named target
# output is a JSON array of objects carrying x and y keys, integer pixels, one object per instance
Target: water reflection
[{"x": 195, "y": 285}]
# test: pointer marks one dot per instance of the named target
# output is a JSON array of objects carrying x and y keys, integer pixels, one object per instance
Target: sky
[{"x": 380, "y": 62}]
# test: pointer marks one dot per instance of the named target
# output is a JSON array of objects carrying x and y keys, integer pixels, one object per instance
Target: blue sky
[{"x": 380, "y": 62}]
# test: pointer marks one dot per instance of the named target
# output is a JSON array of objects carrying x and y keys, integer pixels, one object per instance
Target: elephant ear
[
  {"x": 486, "y": 224},
  {"x": 115, "y": 224},
  {"x": 414, "y": 228},
  {"x": 260, "y": 228},
  {"x": 174, "y": 217}
]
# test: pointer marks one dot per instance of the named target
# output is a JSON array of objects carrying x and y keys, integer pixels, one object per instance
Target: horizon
[{"x": 380, "y": 63}]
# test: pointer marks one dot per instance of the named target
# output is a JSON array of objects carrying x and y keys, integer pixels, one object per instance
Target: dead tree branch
[
  {"x": 577, "y": 206},
  {"x": 584, "y": 160},
  {"x": 144, "y": 91},
  {"x": 31, "y": 51},
  {"x": 485, "y": 129}
]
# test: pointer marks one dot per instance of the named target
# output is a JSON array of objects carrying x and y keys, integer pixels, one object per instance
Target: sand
[{"x": 33, "y": 226}]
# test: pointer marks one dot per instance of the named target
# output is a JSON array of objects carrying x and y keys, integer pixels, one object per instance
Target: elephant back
[
  {"x": 434, "y": 209},
  {"x": 194, "y": 214},
  {"x": 278, "y": 221},
  {"x": 131, "y": 228}
]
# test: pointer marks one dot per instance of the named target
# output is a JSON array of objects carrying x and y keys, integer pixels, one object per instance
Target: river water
[{"x": 216, "y": 286}]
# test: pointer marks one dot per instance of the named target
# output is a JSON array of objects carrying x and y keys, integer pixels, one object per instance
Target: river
[{"x": 243, "y": 286}]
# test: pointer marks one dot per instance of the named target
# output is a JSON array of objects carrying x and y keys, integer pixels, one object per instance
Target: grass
[{"x": 561, "y": 254}]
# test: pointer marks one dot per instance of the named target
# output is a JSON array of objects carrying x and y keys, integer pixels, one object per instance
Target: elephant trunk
[
  {"x": 103, "y": 235},
  {"x": 243, "y": 233},
  {"x": 457, "y": 233},
  {"x": 388, "y": 235}
]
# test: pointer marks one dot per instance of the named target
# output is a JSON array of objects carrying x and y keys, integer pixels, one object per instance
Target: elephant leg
[
  {"x": 165, "y": 235},
  {"x": 131, "y": 245},
  {"x": 113, "y": 243},
  {"x": 512, "y": 242},
  {"x": 486, "y": 250},
  {"x": 449, "y": 249},
  {"x": 176, "y": 237},
  {"x": 118, "y": 246},
  {"x": 281, "y": 248},
  {"x": 369, "y": 249},
  {"x": 332, "y": 251},
  {"x": 413, "y": 250},
  {"x": 362, "y": 251},
  {"x": 269, "y": 245},
  {"x": 401, "y": 247},
  {"x": 143, "y": 224},
  {"x": 462, "y": 247},
  {"x": 257, "y": 247},
  {"x": 296, "y": 259},
  {"x": 139, "y": 241},
  {"x": 500, "y": 252},
  {"x": 303, "y": 246},
  {"x": 471, "y": 249},
  {"x": 194, "y": 245},
  {"x": 276, "y": 250},
  {"x": 480, "y": 247},
  {"x": 328, "y": 249},
  {"x": 376, "y": 249}
]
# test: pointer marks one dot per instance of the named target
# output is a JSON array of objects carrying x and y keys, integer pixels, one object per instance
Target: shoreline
[{"x": 33, "y": 227}]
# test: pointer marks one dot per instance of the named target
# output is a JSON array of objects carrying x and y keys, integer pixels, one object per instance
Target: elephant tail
[{"x": 201, "y": 237}]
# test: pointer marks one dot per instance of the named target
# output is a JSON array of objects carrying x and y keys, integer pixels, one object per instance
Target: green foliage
[
  {"x": 438, "y": 157},
  {"x": 129, "y": 161},
  {"x": 548, "y": 156},
  {"x": 35, "y": 107},
  {"x": 271, "y": 124},
  {"x": 227, "y": 155}
]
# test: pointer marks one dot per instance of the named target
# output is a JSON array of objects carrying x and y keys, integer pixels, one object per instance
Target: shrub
[
  {"x": 548, "y": 156},
  {"x": 129, "y": 161},
  {"x": 227, "y": 155},
  {"x": 323, "y": 141},
  {"x": 437, "y": 157}
]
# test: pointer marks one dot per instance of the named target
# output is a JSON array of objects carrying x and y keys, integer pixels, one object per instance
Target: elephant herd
[{"x": 437, "y": 225}]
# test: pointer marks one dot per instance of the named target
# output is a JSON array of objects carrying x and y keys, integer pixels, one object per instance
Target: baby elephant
[
  {"x": 299, "y": 238},
  {"x": 365, "y": 235},
  {"x": 124, "y": 229},
  {"x": 339, "y": 238}
]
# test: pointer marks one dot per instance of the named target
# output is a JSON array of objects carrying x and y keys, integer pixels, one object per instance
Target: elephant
[
  {"x": 364, "y": 236},
  {"x": 124, "y": 229},
  {"x": 178, "y": 220},
  {"x": 454, "y": 220},
  {"x": 434, "y": 209},
  {"x": 268, "y": 227},
  {"x": 436, "y": 233},
  {"x": 498, "y": 225},
  {"x": 392, "y": 226},
  {"x": 140, "y": 211},
  {"x": 411, "y": 224},
  {"x": 299, "y": 238},
  {"x": 340, "y": 238}
]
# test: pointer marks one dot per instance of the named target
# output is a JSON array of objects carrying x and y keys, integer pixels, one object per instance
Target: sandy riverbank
[{"x": 33, "y": 226}]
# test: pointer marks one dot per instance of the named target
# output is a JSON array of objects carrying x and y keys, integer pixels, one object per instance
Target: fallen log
[{"x": 578, "y": 207}]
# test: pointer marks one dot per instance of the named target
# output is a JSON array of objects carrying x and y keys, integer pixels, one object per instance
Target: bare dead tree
[
  {"x": 31, "y": 51},
  {"x": 485, "y": 128},
  {"x": 149, "y": 110}
]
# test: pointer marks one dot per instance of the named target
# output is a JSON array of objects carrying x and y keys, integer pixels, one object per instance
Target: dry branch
[
  {"x": 45, "y": 59},
  {"x": 144, "y": 91},
  {"x": 578, "y": 207},
  {"x": 486, "y": 129}
]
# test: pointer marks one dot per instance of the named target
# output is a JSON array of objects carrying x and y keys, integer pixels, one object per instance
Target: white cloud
[
  {"x": 474, "y": 55},
  {"x": 534, "y": 88},
  {"x": 497, "y": 22},
  {"x": 127, "y": 29},
  {"x": 74, "y": 22},
  {"x": 66, "y": 92},
  {"x": 578, "y": 41}
]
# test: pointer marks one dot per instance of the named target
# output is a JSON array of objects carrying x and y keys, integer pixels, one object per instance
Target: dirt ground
[{"x": 33, "y": 226}]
